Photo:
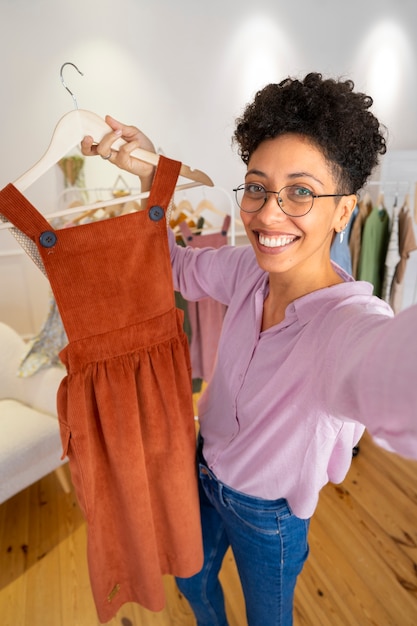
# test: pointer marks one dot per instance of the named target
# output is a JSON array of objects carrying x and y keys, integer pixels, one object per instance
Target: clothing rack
[
  {"x": 223, "y": 205},
  {"x": 399, "y": 189},
  {"x": 395, "y": 186}
]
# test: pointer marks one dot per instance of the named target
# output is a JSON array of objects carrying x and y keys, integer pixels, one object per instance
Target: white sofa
[{"x": 30, "y": 445}]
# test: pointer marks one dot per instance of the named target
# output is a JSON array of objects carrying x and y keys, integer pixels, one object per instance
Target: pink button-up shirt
[{"x": 285, "y": 407}]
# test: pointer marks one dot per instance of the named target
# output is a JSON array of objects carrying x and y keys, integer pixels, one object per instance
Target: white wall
[{"x": 184, "y": 70}]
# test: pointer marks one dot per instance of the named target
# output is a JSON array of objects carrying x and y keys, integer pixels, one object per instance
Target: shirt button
[
  {"x": 48, "y": 239},
  {"x": 156, "y": 213}
]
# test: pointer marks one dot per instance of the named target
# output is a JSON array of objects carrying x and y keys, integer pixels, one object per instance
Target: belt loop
[{"x": 220, "y": 487}]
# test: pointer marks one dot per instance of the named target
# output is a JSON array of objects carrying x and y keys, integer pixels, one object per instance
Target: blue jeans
[{"x": 269, "y": 546}]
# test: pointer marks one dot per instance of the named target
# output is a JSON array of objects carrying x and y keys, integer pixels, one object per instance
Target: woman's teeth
[{"x": 275, "y": 242}]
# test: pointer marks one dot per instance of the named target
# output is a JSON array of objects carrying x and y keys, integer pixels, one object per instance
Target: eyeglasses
[{"x": 294, "y": 200}]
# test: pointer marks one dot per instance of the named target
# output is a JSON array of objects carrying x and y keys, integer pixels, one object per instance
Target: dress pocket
[
  {"x": 72, "y": 448},
  {"x": 65, "y": 433}
]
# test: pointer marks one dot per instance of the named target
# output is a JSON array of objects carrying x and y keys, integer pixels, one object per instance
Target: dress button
[
  {"x": 48, "y": 239},
  {"x": 156, "y": 213}
]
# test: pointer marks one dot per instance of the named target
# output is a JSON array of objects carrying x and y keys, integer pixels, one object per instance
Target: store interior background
[{"x": 183, "y": 71}]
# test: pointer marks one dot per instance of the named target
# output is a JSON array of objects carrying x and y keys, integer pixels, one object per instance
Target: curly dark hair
[{"x": 329, "y": 113}]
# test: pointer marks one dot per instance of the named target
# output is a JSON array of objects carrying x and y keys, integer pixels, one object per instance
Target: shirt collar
[{"x": 306, "y": 307}]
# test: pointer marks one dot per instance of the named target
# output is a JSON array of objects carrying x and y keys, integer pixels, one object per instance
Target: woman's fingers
[{"x": 122, "y": 155}]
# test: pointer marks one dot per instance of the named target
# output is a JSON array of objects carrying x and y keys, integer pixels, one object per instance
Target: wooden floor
[{"x": 362, "y": 569}]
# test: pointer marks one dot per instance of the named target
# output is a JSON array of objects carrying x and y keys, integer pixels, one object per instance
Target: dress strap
[
  {"x": 21, "y": 213},
  {"x": 29, "y": 223},
  {"x": 164, "y": 183}
]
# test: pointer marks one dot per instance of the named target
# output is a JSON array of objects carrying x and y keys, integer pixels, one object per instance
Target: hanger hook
[{"x": 63, "y": 82}]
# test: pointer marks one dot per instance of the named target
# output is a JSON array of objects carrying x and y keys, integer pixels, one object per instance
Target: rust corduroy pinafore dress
[{"x": 125, "y": 405}]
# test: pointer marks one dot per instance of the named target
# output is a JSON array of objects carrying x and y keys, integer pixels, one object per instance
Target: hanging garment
[
  {"x": 125, "y": 406},
  {"x": 375, "y": 237},
  {"x": 355, "y": 238},
  {"x": 180, "y": 302},
  {"x": 206, "y": 315},
  {"x": 393, "y": 256},
  {"x": 43, "y": 349},
  {"x": 407, "y": 244}
]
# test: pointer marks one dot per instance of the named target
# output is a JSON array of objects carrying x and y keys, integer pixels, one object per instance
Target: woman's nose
[{"x": 272, "y": 207}]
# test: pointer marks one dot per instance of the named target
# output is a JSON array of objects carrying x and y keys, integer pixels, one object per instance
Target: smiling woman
[
  {"x": 291, "y": 230},
  {"x": 303, "y": 346}
]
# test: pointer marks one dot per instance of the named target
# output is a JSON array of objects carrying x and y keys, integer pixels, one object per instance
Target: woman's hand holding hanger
[{"x": 121, "y": 157}]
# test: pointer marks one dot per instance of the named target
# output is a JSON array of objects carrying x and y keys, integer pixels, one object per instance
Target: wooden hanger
[
  {"x": 207, "y": 205},
  {"x": 71, "y": 130},
  {"x": 380, "y": 202}
]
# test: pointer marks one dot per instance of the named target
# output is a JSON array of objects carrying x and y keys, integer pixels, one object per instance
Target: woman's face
[{"x": 284, "y": 244}]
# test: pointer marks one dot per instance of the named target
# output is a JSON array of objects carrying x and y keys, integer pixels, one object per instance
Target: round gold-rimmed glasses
[{"x": 294, "y": 200}]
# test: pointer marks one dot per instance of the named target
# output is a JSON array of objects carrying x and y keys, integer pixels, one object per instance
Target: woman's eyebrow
[
  {"x": 293, "y": 175},
  {"x": 256, "y": 172},
  {"x": 303, "y": 174}
]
